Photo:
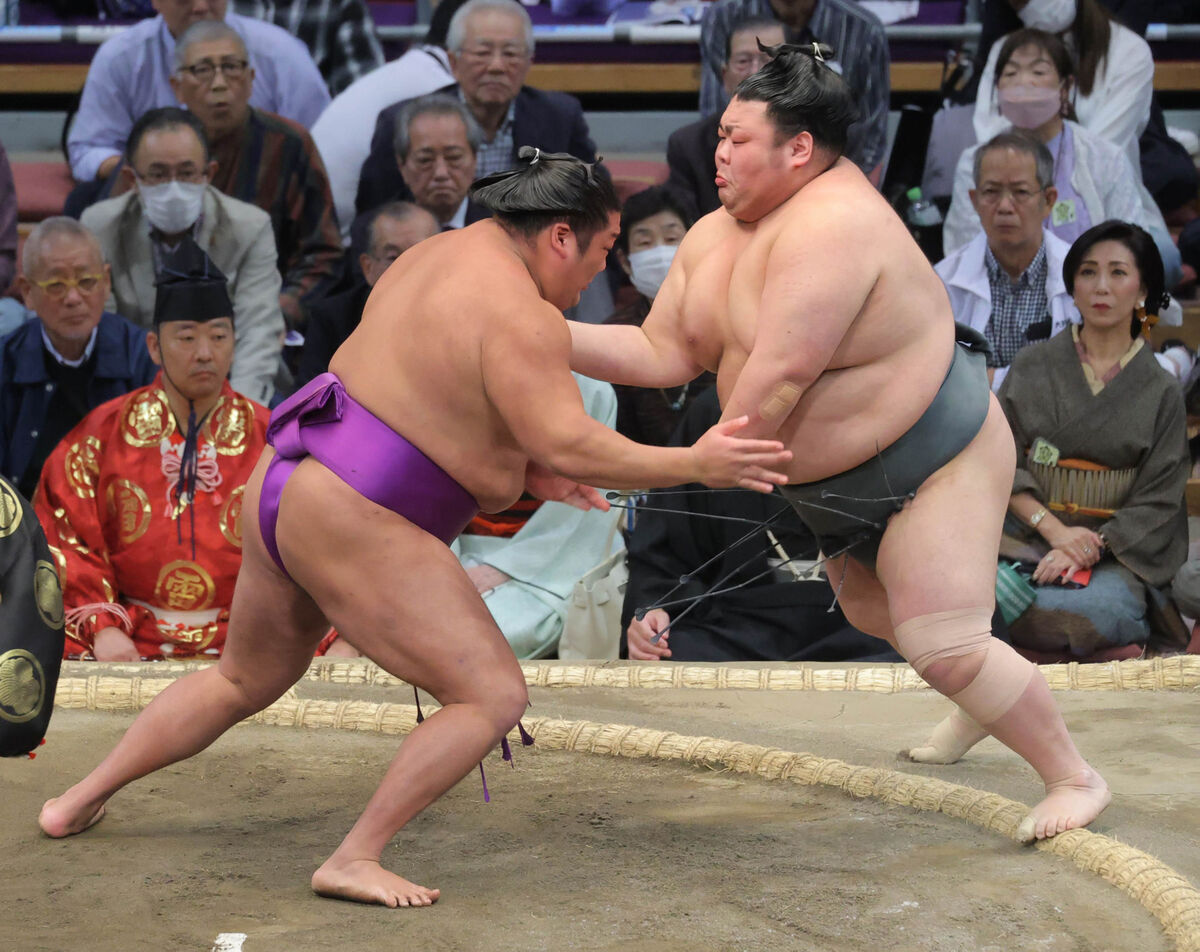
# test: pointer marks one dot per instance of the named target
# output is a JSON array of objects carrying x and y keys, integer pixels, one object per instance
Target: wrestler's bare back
[
  {"x": 862, "y": 297},
  {"x": 415, "y": 361}
]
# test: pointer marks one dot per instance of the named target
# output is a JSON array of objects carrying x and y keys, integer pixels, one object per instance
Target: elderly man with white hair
[
  {"x": 490, "y": 43},
  {"x": 131, "y": 74}
]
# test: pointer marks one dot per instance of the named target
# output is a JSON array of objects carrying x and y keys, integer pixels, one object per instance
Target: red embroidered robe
[{"x": 107, "y": 502}]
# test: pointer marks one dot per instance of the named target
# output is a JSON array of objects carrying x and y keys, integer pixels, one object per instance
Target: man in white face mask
[
  {"x": 653, "y": 223},
  {"x": 168, "y": 164}
]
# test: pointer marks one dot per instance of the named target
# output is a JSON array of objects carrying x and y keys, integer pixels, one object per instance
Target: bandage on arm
[{"x": 780, "y": 401}]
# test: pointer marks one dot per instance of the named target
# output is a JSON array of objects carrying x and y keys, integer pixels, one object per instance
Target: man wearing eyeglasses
[
  {"x": 168, "y": 163},
  {"x": 490, "y": 43},
  {"x": 130, "y": 75},
  {"x": 73, "y": 358},
  {"x": 1007, "y": 283},
  {"x": 262, "y": 159}
]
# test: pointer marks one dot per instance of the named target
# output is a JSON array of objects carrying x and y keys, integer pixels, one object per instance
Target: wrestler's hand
[
  {"x": 1056, "y": 566},
  {"x": 486, "y": 577},
  {"x": 724, "y": 459},
  {"x": 640, "y": 633},
  {"x": 112, "y": 644},
  {"x": 544, "y": 484},
  {"x": 1080, "y": 543}
]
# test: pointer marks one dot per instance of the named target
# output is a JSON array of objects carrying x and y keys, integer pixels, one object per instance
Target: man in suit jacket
[
  {"x": 690, "y": 150},
  {"x": 490, "y": 43},
  {"x": 385, "y": 235},
  {"x": 168, "y": 160}
]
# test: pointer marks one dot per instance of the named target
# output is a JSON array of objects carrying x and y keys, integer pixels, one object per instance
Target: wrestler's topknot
[
  {"x": 803, "y": 93},
  {"x": 547, "y": 188}
]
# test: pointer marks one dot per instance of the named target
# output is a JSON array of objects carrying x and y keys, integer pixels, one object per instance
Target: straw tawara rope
[
  {"x": 1169, "y": 897},
  {"x": 1179, "y": 673}
]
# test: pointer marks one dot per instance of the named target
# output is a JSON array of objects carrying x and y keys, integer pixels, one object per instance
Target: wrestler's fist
[
  {"x": 545, "y": 484},
  {"x": 112, "y": 644},
  {"x": 641, "y": 633},
  {"x": 724, "y": 459}
]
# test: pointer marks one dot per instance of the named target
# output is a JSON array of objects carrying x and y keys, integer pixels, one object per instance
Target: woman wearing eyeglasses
[{"x": 1034, "y": 89}]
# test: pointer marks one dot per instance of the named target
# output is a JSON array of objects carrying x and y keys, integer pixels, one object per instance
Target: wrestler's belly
[{"x": 849, "y": 415}]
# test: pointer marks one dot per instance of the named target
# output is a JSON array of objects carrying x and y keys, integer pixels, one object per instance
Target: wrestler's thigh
[
  {"x": 398, "y": 594},
  {"x": 939, "y": 553},
  {"x": 274, "y": 626},
  {"x": 861, "y": 596}
]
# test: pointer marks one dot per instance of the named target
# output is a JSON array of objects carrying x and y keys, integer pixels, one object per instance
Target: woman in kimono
[
  {"x": 1097, "y": 510},
  {"x": 1102, "y": 457}
]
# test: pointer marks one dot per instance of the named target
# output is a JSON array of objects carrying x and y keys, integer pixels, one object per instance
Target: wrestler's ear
[
  {"x": 153, "y": 347},
  {"x": 802, "y": 148},
  {"x": 562, "y": 239}
]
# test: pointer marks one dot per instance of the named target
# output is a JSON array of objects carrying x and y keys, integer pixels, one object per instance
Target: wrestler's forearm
[
  {"x": 598, "y": 456},
  {"x": 766, "y": 392},
  {"x": 623, "y": 354}
]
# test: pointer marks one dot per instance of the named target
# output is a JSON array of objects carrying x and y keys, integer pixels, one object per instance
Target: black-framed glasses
[{"x": 205, "y": 70}]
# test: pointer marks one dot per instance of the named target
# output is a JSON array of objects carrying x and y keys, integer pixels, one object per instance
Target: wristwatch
[{"x": 1036, "y": 519}]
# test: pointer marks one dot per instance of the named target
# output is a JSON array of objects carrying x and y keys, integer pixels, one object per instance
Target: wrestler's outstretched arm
[
  {"x": 527, "y": 379},
  {"x": 653, "y": 355},
  {"x": 814, "y": 289}
]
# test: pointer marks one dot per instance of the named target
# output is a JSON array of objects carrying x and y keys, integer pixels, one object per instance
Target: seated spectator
[
  {"x": 344, "y": 140},
  {"x": 1007, "y": 281},
  {"x": 261, "y": 159},
  {"x": 1114, "y": 79},
  {"x": 143, "y": 500},
  {"x": 73, "y": 358},
  {"x": 653, "y": 223},
  {"x": 491, "y": 49},
  {"x": 168, "y": 163},
  {"x": 9, "y": 317},
  {"x": 391, "y": 231},
  {"x": 783, "y": 612},
  {"x": 1102, "y": 460},
  {"x": 1094, "y": 180},
  {"x": 340, "y": 35},
  {"x": 691, "y": 150},
  {"x": 437, "y": 141},
  {"x": 525, "y": 561},
  {"x": 131, "y": 72},
  {"x": 861, "y": 55}
]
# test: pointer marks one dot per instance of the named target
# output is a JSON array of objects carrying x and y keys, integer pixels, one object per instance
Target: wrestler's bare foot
[
  {"x": 59, "y": 818},
  {"x": 950, "y": 740},
  {"x": 1070, "y": 804},
  {"x": 365, "y": 880}
]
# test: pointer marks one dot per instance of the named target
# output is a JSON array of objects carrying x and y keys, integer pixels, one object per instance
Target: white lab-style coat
[
  {"x": 965, "y": 275},
  {"x": 1108, "y": 185},
  {"x": 1118, "y": 107}
]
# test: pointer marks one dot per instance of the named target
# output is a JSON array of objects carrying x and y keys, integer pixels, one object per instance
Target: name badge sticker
[
  {"x": 1044, "y": 453},
  {"x": 1063, "y": 213}
]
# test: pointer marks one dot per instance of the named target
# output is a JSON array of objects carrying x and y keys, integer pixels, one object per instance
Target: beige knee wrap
[{"x": 1002, "y": 677}]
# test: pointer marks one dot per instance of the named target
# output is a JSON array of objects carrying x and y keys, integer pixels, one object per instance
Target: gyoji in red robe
[{"x": 109, "y": 504}]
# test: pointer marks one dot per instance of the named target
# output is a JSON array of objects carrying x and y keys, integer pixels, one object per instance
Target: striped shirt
[
  {"x": 1016, "y": 306},
  {"x": 860, "y": 47},
  {"x": 340, "y": 34}
]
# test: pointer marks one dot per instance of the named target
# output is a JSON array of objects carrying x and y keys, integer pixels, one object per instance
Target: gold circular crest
[
  {"x": 184, "y": 586},
  {"x": 22, "y": 686},
  {"x": 228, "y": 426},
  {"x": 82, "y": 465},
  {"x": 129, "y": 506},
  {"x": 47, "y": 592},
  {"x": 231, "y": 517},
  {"x": 10, "y": 510},
  {"x": 147, "y": 419}
]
